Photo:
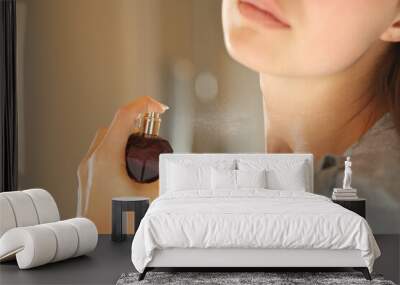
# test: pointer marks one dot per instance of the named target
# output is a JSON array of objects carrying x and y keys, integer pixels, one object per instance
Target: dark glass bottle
[{"x": 144, "y": 148}]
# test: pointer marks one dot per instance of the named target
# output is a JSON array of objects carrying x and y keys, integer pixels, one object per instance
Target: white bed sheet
[{"x": 250, "y": 218}]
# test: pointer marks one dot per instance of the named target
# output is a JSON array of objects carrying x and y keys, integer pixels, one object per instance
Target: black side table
[
  {"x": 120, "y": 205},
  {"x": 357, "y": 205}
]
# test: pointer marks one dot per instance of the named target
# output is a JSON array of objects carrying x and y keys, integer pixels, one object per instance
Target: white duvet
[{"x": 252, "y": 218}]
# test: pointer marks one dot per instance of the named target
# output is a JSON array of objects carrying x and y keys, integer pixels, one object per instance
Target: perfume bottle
[{"x": 144, "y": 148}]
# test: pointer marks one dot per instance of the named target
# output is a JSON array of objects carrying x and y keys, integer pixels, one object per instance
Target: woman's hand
[{"x": 102, "y": 172}]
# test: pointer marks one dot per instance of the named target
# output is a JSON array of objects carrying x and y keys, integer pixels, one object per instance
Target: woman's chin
[
  {"x": 265, "y": 57},
  {"x": 260, "y": 60}
]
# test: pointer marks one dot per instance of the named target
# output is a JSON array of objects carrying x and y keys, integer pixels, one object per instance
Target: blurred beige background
[{"x": 80, "y": 60}]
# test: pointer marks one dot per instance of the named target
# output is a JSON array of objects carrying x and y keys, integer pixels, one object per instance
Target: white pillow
[
  {"x": 236, "y": 179},
  {"x": 293, "y": 179},
  {"x": 251, "y": 178},
  {"x": 181, "y": 177},
  {"x": 223, "y": 179},
  {"x": 187, "y": 174},
  {"x": 282, "y": 174}
]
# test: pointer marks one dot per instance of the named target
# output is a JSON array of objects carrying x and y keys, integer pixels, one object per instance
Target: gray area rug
[{"x": 269, "y": 278}]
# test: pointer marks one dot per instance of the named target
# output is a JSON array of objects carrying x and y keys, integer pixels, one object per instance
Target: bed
[{"x": 247, "y": 211}]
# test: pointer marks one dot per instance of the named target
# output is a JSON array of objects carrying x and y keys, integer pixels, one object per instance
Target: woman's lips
[{"x": 263, "y": 12}]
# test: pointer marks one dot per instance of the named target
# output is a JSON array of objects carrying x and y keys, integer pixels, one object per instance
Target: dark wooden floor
[{"x": 110, "y": 260}]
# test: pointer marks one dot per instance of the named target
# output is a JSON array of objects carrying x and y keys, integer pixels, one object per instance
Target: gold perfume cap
[{"x": 150, "y": 123}]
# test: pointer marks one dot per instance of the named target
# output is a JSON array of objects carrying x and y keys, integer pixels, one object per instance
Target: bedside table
[
  {"x": 120, "y": 205},
  {"x": 357, "y": 205}
]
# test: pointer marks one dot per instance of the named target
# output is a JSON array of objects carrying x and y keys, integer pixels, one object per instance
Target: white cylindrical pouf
[
  {"x": 67, "y": 240},
  {"x": 87, "y": 234},
  {"x": 30, "y": 230},
  {"x": 45, "y": 205},
  {"x": 36, "y": 245},
  {"x": 23, "y": 208},
  {"x": 7, "y": 218}
]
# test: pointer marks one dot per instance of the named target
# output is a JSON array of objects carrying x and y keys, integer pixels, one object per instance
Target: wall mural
[{"x": 231, "y": 83}]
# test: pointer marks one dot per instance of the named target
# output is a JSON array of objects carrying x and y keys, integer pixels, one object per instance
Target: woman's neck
[{"x": 324, "y": 114}]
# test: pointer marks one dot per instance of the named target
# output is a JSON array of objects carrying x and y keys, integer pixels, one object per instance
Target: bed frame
[
  {"x": 261, "y": 259},
  {"x": 245, "y": 259}
]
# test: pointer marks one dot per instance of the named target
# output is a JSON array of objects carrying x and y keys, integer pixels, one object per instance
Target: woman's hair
[{"x": 387, "y": 81}]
